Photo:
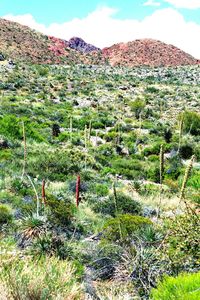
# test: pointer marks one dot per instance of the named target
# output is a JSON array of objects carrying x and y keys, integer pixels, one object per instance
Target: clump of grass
[{"x": 47, "y": 278}]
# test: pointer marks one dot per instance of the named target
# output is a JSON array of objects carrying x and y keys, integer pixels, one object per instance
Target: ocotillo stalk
[
  {"x": 96, "y": 139},
  {"x": 71, "y": 128},
  {"x": 116, "y": 209},
  {"x": 78, "y": 183},
  {"x": 86, "y": 146},
  {"x": 186, "y": 176},
  {"x": 180, "y": 132},
  {"x": 161, "y": 178},
  {"x": 43, "y": 192},
  {"x": 90, "y": 130},
  {"x": 85, "y": 136},
  {"x": 25, "y": 150}
]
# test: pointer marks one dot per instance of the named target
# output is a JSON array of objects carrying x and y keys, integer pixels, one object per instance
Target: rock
[
  {"x": 80, "y": 45},
  {"x": 2, "y": 58},
  {"x": 3, "y": 143}
]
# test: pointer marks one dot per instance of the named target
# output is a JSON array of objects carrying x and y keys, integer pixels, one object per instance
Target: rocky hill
[
  {"x": 147, "y": 52},
  {"x": 21, "y": 43}
]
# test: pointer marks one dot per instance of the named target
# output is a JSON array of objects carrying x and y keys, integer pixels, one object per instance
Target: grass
[{"x": 182, "y": 287}]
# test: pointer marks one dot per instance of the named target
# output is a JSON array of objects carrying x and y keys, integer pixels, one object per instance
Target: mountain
[
  {"x": 20, "y": 43},
  {"x": 79, "y": 44},
  {"x": 147, "y": 52}
]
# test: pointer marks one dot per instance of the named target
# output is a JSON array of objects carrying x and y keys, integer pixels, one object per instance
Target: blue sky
[
  {"x": 104, "y": 22},
  {"x": 49, "y": 11}
]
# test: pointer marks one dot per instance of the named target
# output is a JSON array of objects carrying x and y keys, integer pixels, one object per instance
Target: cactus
[{"x": 78, "y": 183}]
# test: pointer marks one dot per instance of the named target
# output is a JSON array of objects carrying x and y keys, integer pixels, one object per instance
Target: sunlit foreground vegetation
[{"x": 99, "y": 183}]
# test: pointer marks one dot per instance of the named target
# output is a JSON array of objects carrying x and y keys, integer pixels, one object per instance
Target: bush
[
  {"x": 183, "y": 287},
  {"x": 191, "y": 122},
  {"x": 61, "y": 212},
  {"x": 137, "y": 107},
  {"x": 182, "y": 242},
  {"x": 123, "y": 227},
  {"x": 125, "y": 204},
  {"x": 186, "y": 151},
  {"x": 5, "y": 214},
  {"x": 47, "y": 278}
]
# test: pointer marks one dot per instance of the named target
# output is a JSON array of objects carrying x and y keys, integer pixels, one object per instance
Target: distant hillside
[
  {"x": 147, "y": 52},
  {"x": 21, "y": 43}
]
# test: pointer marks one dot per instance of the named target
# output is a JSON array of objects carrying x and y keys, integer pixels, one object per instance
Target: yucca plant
[{"x": 32, "y": 227}]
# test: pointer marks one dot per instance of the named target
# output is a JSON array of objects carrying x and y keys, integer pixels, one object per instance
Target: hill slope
[
  {"x": 21, "y": 43},
  {"x": 147, "y": 52}
]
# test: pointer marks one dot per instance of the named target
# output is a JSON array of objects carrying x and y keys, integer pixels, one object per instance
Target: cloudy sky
[{"x": 106, "y": 22}]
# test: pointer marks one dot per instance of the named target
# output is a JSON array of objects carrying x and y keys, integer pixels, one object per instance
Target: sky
[{"x": 106, "y": 22}]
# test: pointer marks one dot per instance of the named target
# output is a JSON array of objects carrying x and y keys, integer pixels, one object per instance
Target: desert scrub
[
  {"x": 60, "y": 211},
  {"x": 183, "y": 287},
  {"x": 44, "y": 279},
  {"x": 182, "y": 242},
  {"x": 125, "y": 205},
  {"x": 123, "y": 227}
]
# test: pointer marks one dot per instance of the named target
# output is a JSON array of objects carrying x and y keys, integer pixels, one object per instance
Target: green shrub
[
  {"x": 137, "y": 107},
  {"x": 125, "y": 204},
  {"x": 191, "y": 122},
  {"x": 123, "y": 227},
  {"x": 61, "y": 212},
  {"x": 186, "y": 151},
  {"x": 183, "y": 287},
  {"x": 182, "y": 242},
  {"x": 5, "y": 214}
]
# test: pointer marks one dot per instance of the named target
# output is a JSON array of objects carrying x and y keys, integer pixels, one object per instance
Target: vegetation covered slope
[
  {"x": 147, "y": 52},
  {"x": 132, "y": 135}
]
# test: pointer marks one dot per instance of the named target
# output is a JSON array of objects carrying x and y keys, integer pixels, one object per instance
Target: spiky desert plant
[
  {"x": 116, "y": 208},
  {"x": 43, "y": 192},
  {"x": 186, "y": 177},
  {"x": 71, "y": 127},
  {"x": 25, "y": 150},
  {"x": 85, "y": 136},
  {"x": 161, "y": 167},
  {"x": 90, "y": 130},
  {"x": 180, "y": 132},
  {"x": 78, "y": 184}
]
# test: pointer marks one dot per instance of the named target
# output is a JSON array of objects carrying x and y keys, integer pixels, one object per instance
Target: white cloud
[
  {"x": 103, "y": 29},
  {"x": 151, "y": 3},
  {"x": 190, "y": 4}
]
